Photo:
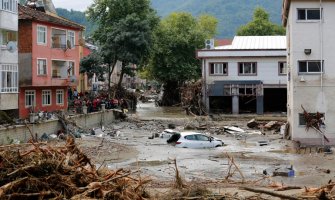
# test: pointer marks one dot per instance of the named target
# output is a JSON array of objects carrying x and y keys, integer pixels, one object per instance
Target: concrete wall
[
  {"x": 317, "y": 92},
  {"x": 8, "y": 20},
  {"x": 86, "y": 121},
  {"x": 9, "y": 101}
]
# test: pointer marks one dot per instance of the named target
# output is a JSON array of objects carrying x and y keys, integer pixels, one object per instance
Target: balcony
[{"x": 63, "y": 73}]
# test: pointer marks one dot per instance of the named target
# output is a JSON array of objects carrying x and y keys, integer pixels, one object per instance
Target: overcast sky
[{"x": 75, "y": 5}]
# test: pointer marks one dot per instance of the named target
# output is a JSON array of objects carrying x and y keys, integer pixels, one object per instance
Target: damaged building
[
  {"x": 310, "y": 38},
  {"x": 248, "y": 76}
]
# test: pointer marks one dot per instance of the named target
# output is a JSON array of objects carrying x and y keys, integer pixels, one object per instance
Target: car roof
[
  {"x": 170, "y": 131},
  {"x": 190, "y": 133}
]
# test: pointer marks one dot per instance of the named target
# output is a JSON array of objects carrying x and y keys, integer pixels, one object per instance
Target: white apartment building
[
  {"x": 248, "y": 76},
  {"x": 8, "y": 55},
  {"x": 310, "y": 27}
]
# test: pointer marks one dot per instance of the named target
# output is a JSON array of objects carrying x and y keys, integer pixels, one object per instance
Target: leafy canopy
[
  {"x": 177, "y": 38},
  {"x": 124, "y": 31},
  {"x": 260, "y": 25}
]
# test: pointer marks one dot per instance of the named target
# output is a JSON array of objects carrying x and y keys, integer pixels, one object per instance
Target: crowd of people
[{"x": 94, "y": 102}]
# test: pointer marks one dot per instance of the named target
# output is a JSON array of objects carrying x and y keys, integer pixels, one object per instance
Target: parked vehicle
[{"x": 194, "y": 140}]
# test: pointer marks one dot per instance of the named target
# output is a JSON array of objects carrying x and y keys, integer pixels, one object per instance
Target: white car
[{"x": 194, "y": 140}]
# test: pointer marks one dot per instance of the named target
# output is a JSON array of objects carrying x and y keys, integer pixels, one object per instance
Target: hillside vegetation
[{"x": 231, "y": 14}]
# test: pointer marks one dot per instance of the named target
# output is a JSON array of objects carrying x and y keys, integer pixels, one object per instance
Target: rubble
[{"x": 42, "y": 171}]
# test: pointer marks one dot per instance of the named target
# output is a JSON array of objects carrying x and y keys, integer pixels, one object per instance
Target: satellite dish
[{"x": 11, "y": 46}]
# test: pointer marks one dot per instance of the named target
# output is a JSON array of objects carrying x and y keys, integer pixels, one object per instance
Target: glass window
[
  {"x": 282, "y": 68},
  {"x": 218, "y": 68},
  {"x": 46, "y": 97},
  {"x": 59, "y": 97},
  {"x": 41, "y": 34},
  {"x": 70, "y": 39},
  {"x": 310, "y": 67},
  {"x": 247, "y": 68},
  {"x": 309, "y": 14},
  {"x": 202, "y": 138},
  {"x": 8, "y": 79},
  {"x": 9, "y": 5},
  {"x": 30, "y": 98},
  {"x": 41, "y": 67},
  {"x": 190, "y": 137}
]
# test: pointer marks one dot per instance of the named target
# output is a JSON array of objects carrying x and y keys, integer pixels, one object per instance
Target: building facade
[
  {"x": 49, "y": 59},
  {"x": 8, "y": 56},
  {"x": 311, "y": 84},
  {"x": 248, "y": 76}
]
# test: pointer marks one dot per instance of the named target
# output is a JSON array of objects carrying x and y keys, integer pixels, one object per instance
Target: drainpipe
[{"x": 321, "y": 60}]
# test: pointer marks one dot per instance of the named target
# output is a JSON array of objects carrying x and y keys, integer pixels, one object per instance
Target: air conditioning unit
[{"x": 209, "y": 44}]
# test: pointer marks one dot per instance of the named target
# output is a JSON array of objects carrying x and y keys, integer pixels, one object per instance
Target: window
[
  {"x": 190, "y": 137},
  {"x": 309, "y": 14},
  {"x": 70, "y": 70},
  {"x": 8, "y": 78},
  {"x": 247, "y": 68},
  {"x": 58, "y": 38},
  {"x": 310, "y": 67},
  {"x": 70, "y": 39},
  {"x": 41, "y": 35},
  {"x": 218, "y": 68},
  {"x": 282, "y": 68},
  {"x": 41, "y": 67},
  {"x": 9, "y": 5},
  {"x": 46, "y": 97},
  {"x": 202, "y": 138},
  {"x": 315, "y": 116},
  {"x": 7, "y": 36},
  {"x": 30, "y": 98},
  {"x": 59, "y": 97}
]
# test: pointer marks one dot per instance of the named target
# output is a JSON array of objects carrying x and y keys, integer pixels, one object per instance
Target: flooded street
[{"x": 154, "y": 156}]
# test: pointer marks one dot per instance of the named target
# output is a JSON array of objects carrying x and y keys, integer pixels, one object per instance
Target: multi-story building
[
  {"x": 48, "y": 60},
  {"x": 248, "y": 76},
  {"x": 8, "y": 56},
  {"x": 311, "y": 80}
]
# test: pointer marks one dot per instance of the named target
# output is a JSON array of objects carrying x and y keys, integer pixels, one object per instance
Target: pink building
[{"x": 49, "y": 56}]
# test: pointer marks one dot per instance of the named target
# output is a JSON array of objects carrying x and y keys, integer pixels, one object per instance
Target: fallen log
[{"x": 283, "y": 196}]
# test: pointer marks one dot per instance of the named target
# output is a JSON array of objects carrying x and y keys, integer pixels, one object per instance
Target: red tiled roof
[
  {"x": 223, "y": 42},
  {"x": 27, "y": 13}
]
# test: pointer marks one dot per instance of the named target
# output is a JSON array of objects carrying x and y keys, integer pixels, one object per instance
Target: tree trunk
[
  {"x": 171, "y": 95},
  {"x": 121, "y": 75},
  {"x": 110, "y": 72}
]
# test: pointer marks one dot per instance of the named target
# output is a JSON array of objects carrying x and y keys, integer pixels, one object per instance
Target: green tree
[
  {"x": 260, "y": 25},
  {"x": 124, "y": 31},
  {"x": 173, "y": 59},
  {"x": 92, "y": 64}
]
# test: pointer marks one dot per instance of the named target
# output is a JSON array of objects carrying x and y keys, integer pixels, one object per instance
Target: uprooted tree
[{"x": 173, "y": 60}]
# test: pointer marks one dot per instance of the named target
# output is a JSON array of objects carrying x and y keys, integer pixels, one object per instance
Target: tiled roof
[
  {"x": 256, "y": 42},
  {"x": 31, "y": 14},
  {"x": 223, "y": 42}
]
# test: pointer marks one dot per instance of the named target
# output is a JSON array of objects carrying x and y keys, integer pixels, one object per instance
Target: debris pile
[
  {"x": 42, "y": 171},
  {"x": 191, "y": 99}
]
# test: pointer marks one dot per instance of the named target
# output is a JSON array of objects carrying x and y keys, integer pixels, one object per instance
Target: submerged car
[{"x": 194, "y": 140}]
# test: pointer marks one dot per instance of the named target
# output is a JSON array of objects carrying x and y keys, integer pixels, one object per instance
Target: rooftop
[
  {"x": 26, "y": 13},
  {"x": 256, "y": 43}
]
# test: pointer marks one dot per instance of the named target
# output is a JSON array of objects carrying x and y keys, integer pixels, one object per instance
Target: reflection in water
[{"x": 149, "y": 110}]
